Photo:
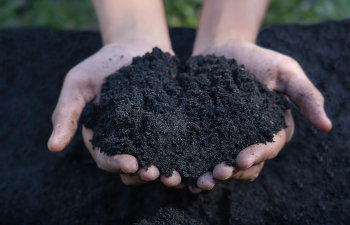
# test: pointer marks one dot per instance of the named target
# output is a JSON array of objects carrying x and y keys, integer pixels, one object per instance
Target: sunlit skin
[{"x": 223, "y": 30}]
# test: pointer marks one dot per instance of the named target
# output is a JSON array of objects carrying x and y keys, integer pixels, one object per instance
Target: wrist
[
  {"x": 227, "y": 21},
  {"x": 132, "y": 21},
  {"x": 216, "y": 36},
  {"x": 138, "y": 47},
  {"x": 151, "y": 36},
  {"x": 211, "y": 45}
]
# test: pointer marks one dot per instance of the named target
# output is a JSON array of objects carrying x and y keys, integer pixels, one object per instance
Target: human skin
[
  {"x": 230, "y": 28},
  {"x": 129, "y": 28},
  {"x": 220, "y": 32}
]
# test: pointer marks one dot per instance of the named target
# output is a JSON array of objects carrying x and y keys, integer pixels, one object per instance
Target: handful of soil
[{"x": 186, "y": 117}]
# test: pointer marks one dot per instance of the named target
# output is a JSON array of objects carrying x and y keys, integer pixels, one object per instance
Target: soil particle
[
  {"x": 170, "y": 216},
  {"x": 183, "y": 116}
]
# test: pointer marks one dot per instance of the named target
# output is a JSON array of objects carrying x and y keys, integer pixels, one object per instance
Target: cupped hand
[
  {"x": 83, "y": 85},
  {"x": 282, "y": 74},
  {"x": 127, "y": 166}
]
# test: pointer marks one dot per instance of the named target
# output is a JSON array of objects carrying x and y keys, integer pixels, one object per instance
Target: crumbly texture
[
  {"x": 307, "y": 183},
  {"x": 186, "y": 117},
  {"x": 170, "y": 216}
]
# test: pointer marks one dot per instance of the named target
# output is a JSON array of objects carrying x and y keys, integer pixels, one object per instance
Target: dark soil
[
  {"x": 308, "y": 183},
  {"x": 186, "y": 117},
  {"x": 167, "y": 216}
]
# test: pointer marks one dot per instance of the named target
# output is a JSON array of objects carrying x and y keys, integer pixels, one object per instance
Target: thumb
[
  {"x": 65, "y": 118},
  {"x": 306, "y": 96}
]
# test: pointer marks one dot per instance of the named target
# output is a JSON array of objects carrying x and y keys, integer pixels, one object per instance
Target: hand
[
  {"x": 82, "y": 85},
  {"x": 280, "y": 73},
  {"x": 127, "y": 166},
  {"x": 128, "y": 29}
]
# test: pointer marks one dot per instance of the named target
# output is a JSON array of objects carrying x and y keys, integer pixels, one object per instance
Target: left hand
[{"x": 282, "y": 74}]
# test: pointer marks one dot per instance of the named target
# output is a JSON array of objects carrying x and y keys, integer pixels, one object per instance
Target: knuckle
[
  {"x": 287, "y": 65},
  {"x": 71, "y": 77},
  {"x": 80, "y": 80},
  {"x": 75, "y": 72},
  {"x": 76, "y": 78}
]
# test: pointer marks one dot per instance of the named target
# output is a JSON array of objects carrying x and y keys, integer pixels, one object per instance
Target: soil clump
[
  {"x": 170, "y": 216},
  {"x": 186, "y": 117}
]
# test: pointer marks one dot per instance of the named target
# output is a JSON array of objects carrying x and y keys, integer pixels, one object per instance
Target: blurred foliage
[
  {"x": 52, "y": 13},
  {"x": 80, "y": 14},
  {"x": 182, "y": 12},
  {"x": 306, "y": 11}
]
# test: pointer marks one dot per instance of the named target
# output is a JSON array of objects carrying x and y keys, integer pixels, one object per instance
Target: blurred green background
[{"x": 79, "y": 14}]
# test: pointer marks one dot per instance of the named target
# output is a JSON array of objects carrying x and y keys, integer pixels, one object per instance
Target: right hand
[
  {"x": 282, "y": 74},
  {"x": 83, "y": 85}
]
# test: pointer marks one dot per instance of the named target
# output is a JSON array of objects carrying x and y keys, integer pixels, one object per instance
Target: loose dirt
[{"x": 186, "y": 117}]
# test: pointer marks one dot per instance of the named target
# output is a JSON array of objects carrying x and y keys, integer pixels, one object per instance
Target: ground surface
[
  {"x": 308, "y": 183},
  {"x": 164, "y": 215}
]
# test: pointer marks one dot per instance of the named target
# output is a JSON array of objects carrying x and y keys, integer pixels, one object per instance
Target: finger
[
  {"x": 305, "y": 95},
  {"x": 131, "y": 179},
  {"x": 290, "y": 124},
  {"x": 66, "y": 115},
  {"x": 115, "y": 164},
  {"x": 222, "y": 171},
  {"x": 257, "y": 153},
  {"x": 206, "y": 181},
  {"x": 194, "y": 190},
  {"x": 249, "y": 174},
  {"x": 173, "y": 180},
  {"x": 149, "y": 173}
]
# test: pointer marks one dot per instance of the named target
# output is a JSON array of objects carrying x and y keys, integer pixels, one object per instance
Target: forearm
[
  {"x": 124, "y": 21},
  {"x": 222, "y": 21}
]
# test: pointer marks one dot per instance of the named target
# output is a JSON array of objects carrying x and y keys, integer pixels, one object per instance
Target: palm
[
  {"x": 83, "y": 85},
  {"x": 282, "y": 74}
]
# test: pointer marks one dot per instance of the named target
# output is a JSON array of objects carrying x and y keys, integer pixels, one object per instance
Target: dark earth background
[{"x": 308, "y": 183}]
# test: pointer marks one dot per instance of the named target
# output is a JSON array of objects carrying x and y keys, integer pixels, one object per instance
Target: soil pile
[
  {"x": 186, "y": 117},
  {"x": 170, "y": 216}
]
